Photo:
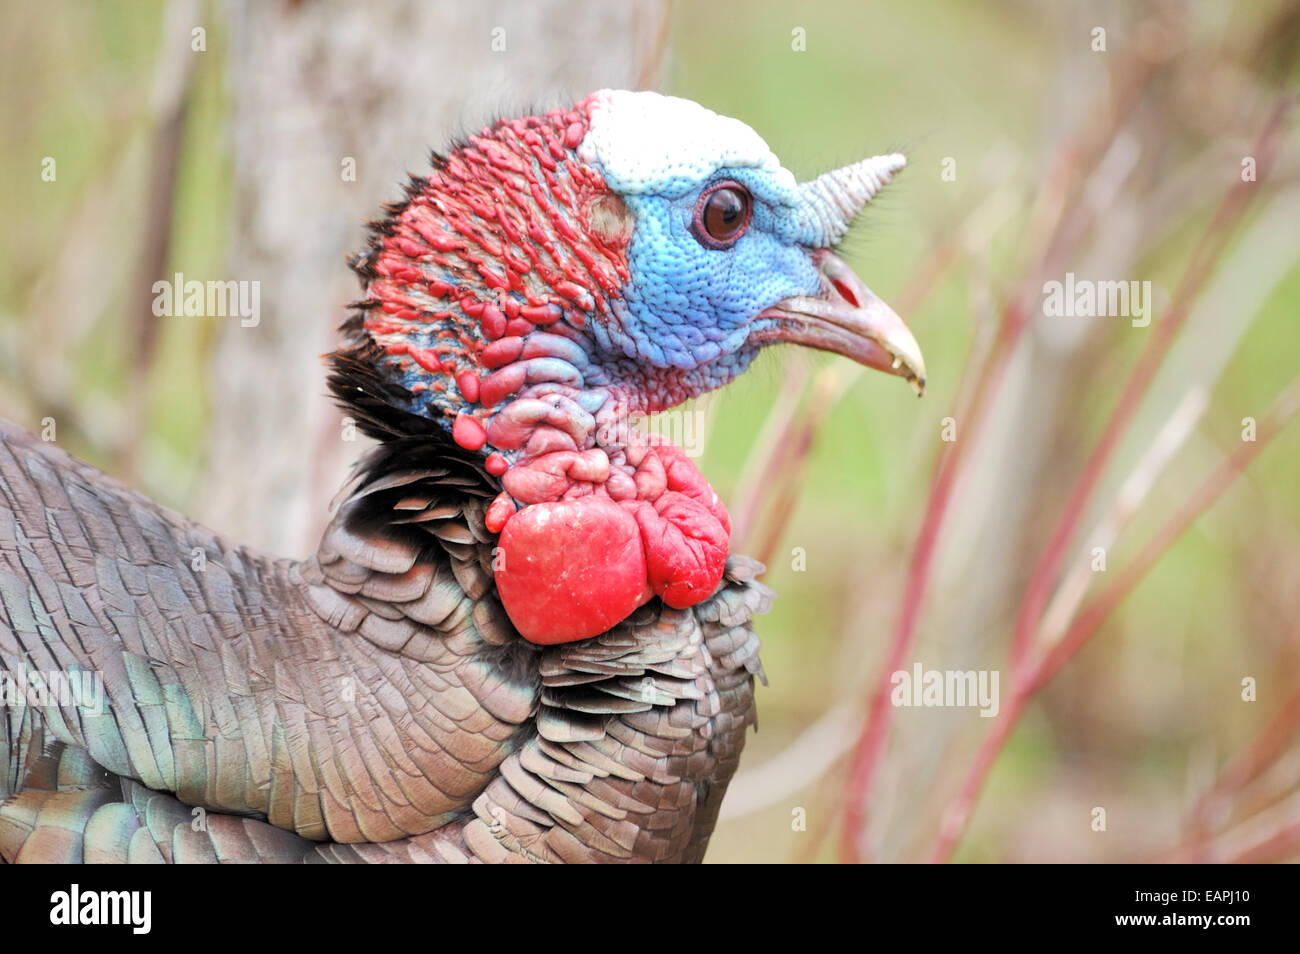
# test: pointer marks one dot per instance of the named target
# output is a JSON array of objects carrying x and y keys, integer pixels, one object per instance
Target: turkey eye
[{"x": 723, "y": 215}]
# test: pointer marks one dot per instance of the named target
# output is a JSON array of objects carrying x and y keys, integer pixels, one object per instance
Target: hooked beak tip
[
  {"x": 889, "y": 344},
  {"x": 848, "y": 319}
]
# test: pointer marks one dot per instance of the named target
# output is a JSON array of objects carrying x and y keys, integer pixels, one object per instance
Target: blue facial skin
[
  {"x": 690, "y": 308},
  {"x": 682, "y": 320}
]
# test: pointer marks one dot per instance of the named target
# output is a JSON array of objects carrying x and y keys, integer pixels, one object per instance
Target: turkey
[{"x": 522, "y": 637}]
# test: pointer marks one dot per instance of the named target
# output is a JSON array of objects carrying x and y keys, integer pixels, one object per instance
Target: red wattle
[
  {"x": 571, "y": 569},
  {"x": 685, "y": 547}
]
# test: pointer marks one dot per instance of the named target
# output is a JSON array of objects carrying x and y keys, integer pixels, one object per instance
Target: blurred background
[{"x": 1147, "y": 142}]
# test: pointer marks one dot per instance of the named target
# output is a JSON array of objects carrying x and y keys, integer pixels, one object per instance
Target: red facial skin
[{"x": 478, "y": 292}]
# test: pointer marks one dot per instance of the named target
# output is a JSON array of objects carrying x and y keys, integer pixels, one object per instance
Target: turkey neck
[{"x": 613, "y": 748}]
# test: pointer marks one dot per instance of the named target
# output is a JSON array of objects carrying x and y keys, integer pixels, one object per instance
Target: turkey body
[
  {"x": 372, "y": 703},
  {"x": 523, "y": 636}
]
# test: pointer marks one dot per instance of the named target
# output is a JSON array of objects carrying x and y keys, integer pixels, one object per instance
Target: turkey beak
[{"x": 847, "y": 319}]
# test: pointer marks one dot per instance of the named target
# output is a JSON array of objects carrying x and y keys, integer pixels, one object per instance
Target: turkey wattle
[{"x": 522, "y": 637}]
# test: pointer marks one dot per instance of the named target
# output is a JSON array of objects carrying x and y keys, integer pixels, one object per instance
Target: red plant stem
[
  {"x": 876, "y": 730},
  {"x": 771, "y": 449},
  {"x": 958, "y": 812},
  {"x": 1207, "y": 251},
  {"x": 1091, "y": 617},
  {"x": 1025, "y": 684},
  {"x": 791, "y": 477},
  {"x": 1279, "y": 846},
  {"x": 872, "y": 741},
  {"x": 1281, "y": 413},
  {"x": 1262, "y": 752},
  {"x": 923, "y": 281},
  {"x": 1072, "y": 164}
]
